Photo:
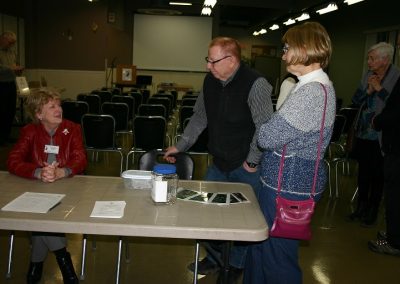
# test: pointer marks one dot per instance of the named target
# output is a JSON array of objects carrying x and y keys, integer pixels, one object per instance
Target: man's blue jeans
[{"x": 238, "y": 250}]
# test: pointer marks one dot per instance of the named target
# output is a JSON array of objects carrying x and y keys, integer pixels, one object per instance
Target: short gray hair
[{"x": 384, "y": 49}]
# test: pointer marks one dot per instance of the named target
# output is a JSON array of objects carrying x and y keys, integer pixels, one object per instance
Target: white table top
[{"x": 184, "y": 219}]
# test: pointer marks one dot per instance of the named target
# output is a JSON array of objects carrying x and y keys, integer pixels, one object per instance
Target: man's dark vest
[{"x": 230, "y": 124}]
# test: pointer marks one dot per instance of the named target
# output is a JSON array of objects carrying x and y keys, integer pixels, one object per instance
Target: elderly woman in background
[
  {"x": 48, "y": 149},
  {"x": 376, "y": 86},
  {"x": 307, "y": 49}
]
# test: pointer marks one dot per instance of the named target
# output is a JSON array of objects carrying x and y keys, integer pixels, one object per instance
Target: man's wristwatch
[{"x": 251, "y": 165}]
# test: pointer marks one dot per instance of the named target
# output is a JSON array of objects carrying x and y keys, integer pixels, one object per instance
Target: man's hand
[{"x": 170, "y": 151}]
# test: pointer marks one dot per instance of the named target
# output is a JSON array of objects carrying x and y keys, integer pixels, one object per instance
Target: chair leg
[
  {"x": 83, "y": 257},
  {"x": 10, "y": 253},
  {"x": 354, "y": 195}
]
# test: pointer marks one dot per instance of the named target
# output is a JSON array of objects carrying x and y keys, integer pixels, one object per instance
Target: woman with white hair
[{"x": 376, "y": 86}]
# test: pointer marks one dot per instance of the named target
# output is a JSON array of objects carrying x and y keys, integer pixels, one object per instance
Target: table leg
[
  {"x": 196, "y": 261},
  {"x": 10, "y": 253},
  {"x": 119, "y": 260}
]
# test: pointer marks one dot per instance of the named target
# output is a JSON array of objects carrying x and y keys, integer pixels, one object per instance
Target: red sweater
[{"x": 28, "y": 153}]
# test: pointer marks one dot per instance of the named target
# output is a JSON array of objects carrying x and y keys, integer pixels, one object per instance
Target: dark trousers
[
  {"x": 370, "y": 173},
  {"x": 8, "y": 101},
  {"x": 392, "y": 198}
]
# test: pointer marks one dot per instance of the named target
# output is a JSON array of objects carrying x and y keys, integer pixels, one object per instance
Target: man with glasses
[
  {"x": 8, "y": 89},
  {"x": 234, "y": 102}
]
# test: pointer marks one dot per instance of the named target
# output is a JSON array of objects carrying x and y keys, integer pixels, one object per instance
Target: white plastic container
[{"x": 135, "y": 179}]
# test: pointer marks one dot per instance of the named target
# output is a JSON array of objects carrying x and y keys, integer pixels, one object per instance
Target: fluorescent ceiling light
[
  {"x": 255, "y": 33},
  {"x": 206, "y": 11},
  {"x": 274, "y": 27},
  {"x": 210, "y": 3},
  {"x": 304, "y": 16},
  {"x": 351, "y": 2},
  {"x": 263, "y": 31},
  {"x": 180, "y": 3},
  {"x": 290, "y": 21},
  {"x": 331, "y": 7}
]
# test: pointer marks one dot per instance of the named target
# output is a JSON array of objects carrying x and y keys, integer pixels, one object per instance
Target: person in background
[
  {"x": 8, "y": 89},
  {"x": 307, "y": 49},
  {"x": 48, "y": 149},
  {"x": 388, "y": 122},
  {"x": 234, "y": 102},
  {"x": 376, "y": 85}
]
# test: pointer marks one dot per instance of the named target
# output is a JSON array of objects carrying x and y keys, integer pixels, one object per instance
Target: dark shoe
[
  {"x": 205, "y": 266},
  {"x": 381, "y": 235},
  {"x": 382, "y": 246},
  {"x": 234, "y": 275},
  {"x": 34, "y": 273},
  {"x": 67, "y": 269}
]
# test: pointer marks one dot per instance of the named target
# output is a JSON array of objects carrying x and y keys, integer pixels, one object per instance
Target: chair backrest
[
  {"x": 171, "y": 97},
  {"x": 350, "y": 113},
  {"x": 184, "y": 113},
  {"x": 149, "y": 132},
  {"x": 200, "y": 146},
  {"x": 127, "y": 100},
  {"x": 98, "y": 131},
  {"x": 146, "y": 94},
  {"x": 162, "y": 101},
  {"x": 138, "y": 99},
  {"x": 188, "y": 101},
  {"x": 94, "y": 103},
  {"x": 81, "y": 97},
  {"x": 152, "y": 110},
  {"x": 184, "y": 163},
  {"x": 338, "y": 127},
  {"x": 119, "y": 111},
  {"x": 74, "y": 110},
  {"x": 105, "y": 96}
]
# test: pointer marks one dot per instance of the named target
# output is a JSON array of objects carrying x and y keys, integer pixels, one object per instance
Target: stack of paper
[
  {"x": 108, "y": 209},
  {"x": 34, "y": 202}
]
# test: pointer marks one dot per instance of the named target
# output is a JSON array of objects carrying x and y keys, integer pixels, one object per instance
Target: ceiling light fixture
[
  {"x": 274, "y": 27},
  {"x": 206, "y": 11},
  {"x": 304, "y": 16},
  {"x": 255, "y": 33},
  {"x": 331, "y": 7},
  {"x": 210, "y": 3},
  {"x": 351, "y": 2},
  {"x": 290, "y": 21},
  {"x": 180, "y": 4}
]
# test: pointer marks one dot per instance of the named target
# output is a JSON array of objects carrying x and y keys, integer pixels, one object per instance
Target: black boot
[
  {"x": 67, "y": 268},
  {"x": 34, "y": 273}
]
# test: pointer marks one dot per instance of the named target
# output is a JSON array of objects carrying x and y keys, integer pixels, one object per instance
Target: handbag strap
[{"x": 321, "y": 135}]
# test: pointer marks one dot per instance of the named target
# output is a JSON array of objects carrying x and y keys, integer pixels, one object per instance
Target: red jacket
[{"x": 28, "y": 153}]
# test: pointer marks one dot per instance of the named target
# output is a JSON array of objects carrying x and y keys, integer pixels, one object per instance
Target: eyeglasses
[
  {"x": 216, "y": 61},
  {"x": 285, "y": 48}
]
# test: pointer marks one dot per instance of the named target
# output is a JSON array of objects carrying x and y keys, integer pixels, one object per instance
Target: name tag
[{"x": 51, "y": 149}]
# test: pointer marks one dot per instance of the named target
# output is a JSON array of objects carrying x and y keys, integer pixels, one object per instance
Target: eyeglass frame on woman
[
  {"x": 285, "y": 48},
  {"x": 216, "y": 61}
]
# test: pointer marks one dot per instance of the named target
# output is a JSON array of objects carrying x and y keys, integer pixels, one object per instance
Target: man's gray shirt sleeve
[
  {"x": 260, "y": 104},
  {"x": 196, "y": 125}
]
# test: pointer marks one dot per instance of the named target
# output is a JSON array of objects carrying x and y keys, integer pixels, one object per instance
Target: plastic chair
[
  {"x": 120, "y": 112},
  {"x": 129, "y": 101},
  {"x": 152, "y": 110},
  {"x": 184, "y": 113},
  {"x": 149, "y": 132},
  {"x": 138, "y": 99},
  {"x": 74, "y": 110},
  {"x": 166, "y": 102},
  {"x": 188, "y": 101},
  {"x": 184, "y": 163},
  {"x": 94, "y": 103}
]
